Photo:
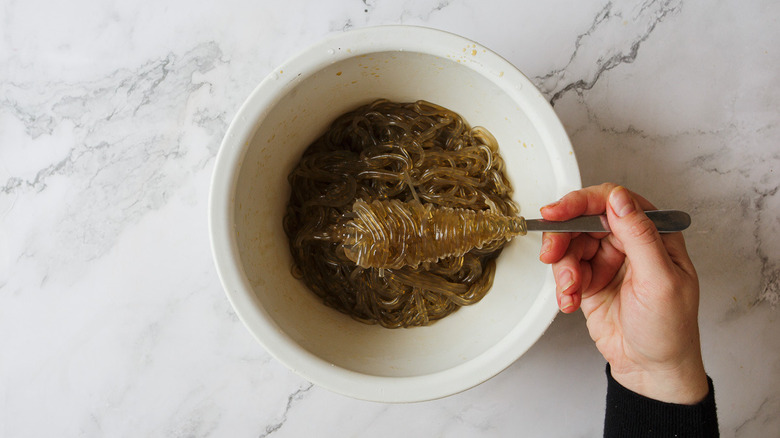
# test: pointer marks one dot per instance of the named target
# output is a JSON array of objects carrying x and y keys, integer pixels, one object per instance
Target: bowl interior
[{"x": 302, "y": 114}]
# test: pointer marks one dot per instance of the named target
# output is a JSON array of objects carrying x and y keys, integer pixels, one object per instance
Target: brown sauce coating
[{"x": 414, "y": 153}]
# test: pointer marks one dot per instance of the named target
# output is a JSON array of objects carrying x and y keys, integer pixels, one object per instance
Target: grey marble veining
[{"x": 113, "y": 321}]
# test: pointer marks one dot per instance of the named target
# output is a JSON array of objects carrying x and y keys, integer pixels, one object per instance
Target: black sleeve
[{"x": 632, "y": 415}]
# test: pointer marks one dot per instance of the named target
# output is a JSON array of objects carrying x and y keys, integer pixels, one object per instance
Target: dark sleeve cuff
[{"x": 632, "y": 415}]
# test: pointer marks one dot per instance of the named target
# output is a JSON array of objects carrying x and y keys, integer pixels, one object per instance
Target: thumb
[{"x": 641, "y": 241}]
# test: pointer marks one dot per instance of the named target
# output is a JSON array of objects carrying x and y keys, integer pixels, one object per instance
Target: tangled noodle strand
[{"x": 407, "y": 152}]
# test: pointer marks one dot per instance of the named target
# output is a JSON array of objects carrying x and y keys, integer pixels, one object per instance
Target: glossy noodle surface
[{"x": 410, "y": 152}]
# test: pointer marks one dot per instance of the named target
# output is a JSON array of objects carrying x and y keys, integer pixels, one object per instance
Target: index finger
[{"x": 588, "y": 201}]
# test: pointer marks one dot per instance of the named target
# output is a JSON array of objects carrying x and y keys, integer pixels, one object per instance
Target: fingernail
[
  {"x": 565, "y": 280},
  {"x": 546, "y": 247},
  {"x": 621, "y": 202},
  {"x": 567, "y": 302},
  {"x": 550, "y": 205}
]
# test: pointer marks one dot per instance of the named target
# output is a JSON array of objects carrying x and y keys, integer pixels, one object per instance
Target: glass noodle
[{"x": 394, "y": 151}]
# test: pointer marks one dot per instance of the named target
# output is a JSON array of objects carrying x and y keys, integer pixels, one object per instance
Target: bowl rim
[{"x": 334, "y": 48}]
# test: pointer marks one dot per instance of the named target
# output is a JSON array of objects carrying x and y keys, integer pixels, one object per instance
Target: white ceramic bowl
[{"x": 249, "y": 193}]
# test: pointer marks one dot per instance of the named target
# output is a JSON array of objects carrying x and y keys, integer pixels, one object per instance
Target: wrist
[{"x": 684, "y": 384}]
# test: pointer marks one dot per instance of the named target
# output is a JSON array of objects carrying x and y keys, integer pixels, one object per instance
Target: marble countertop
[{"x": 113, "y": 321}]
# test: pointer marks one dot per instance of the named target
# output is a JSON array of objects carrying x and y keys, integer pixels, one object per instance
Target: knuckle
[
  {"x": 644, "y": 231},
  {"x": 607, "y": 187}
]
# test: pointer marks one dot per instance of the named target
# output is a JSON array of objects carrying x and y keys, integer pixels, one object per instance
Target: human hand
[{"x": 638, "y": 290}]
